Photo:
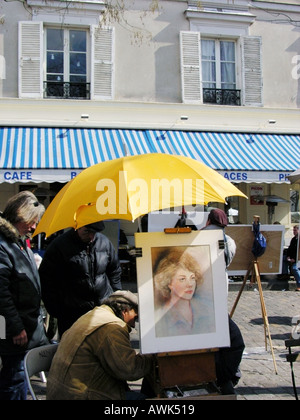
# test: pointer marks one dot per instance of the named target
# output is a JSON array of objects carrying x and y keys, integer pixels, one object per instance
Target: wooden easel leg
[
  {"x": 255, "y": 278},
  {"x": 262, "y": 304},
  {"x": 240, "y": 292},
  {"x": 265, "y": 316}
]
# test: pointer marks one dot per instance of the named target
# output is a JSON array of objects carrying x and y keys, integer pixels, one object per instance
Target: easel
[
  {"x": 255, "y": 278},
  {"x": 186, "y": 371}
]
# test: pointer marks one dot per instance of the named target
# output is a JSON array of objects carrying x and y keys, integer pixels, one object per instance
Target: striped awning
[{"x": 57, "y": 154}]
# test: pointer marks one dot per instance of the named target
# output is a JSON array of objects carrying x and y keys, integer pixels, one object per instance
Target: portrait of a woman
[{"x": 183, "y": 302}]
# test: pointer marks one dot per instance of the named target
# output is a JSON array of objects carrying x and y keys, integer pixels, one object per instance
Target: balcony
[
  {"x": 66, "y": 90},
  {"x": 222, "y": 96}
]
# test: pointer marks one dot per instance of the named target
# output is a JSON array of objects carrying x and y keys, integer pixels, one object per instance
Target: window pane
[
  {"x": 208, "y": 50},
  {"x": 207, "y": 85},
  {"x": 78, "y": 41},
  {"x": 55, "y": 77},
  {"x": 209, "y": 72},
  {"x": 55, "y": 40},
  {"x": 55, "y": 62},
  {"x": 78, "y": 79},
  {"x": 77, "y": 63},
  {"x": 228, "y": 75},
  {"x": 227, "y": 51}
]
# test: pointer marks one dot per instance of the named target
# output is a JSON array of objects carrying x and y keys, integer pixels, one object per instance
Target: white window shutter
[
  {"x": 102, "y": 78},
  {"x": 252, "y": 71},
  {"x": 190, "y": 46},
  {"x": 30, "y": 51}
]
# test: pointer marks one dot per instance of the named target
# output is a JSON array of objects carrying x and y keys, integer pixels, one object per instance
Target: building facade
[{"x": 217, "y": 80}]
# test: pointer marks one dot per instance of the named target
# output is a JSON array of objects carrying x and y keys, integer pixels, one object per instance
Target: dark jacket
[
  {"x": 292, "y": 249},
  {"x": 20, "y": 292},
  {"x": 76, "y": 277}
]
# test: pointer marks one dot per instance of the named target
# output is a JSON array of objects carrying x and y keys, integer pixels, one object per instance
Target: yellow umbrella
[{"x": 130, "y": 187}]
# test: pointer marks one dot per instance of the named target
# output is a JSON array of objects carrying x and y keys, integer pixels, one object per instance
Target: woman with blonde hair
[
  {"x": 179, "y": 307},
  {"x": 20, "y": 292}
]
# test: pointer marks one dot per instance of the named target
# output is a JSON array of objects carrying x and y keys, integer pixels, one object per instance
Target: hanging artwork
[
  {"x": 182, "y": 291},
  {"x": 256, "y": 196}
]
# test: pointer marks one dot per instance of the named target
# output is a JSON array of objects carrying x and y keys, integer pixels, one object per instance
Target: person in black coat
[
  {"x": 20, "y": 293},
  {"x": 228, "y": 359},
  {"x": 293, "y": 255},
  {"x": 80, "y": 268}
]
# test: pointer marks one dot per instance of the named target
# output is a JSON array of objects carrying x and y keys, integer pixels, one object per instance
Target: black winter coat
[
  {"x": 76, "y": 277},
  {"x": 292, "y": 249},
  {"x": 20, "y": 292}
]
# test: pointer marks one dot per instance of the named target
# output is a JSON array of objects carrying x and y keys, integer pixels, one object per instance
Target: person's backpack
[{"x": 260, "y": 242}]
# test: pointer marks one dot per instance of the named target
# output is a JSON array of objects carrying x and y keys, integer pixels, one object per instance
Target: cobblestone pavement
[{"x": 259, "y": 381}]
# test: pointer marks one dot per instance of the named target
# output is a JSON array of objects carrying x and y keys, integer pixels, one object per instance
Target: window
[
  {"x": 66, "y": 64},
  {"x": 218, "y": 60},
  {"x": 295, "y": 214}
]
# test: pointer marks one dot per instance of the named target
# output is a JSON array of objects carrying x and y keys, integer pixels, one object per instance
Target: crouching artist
[{"x": 95, "y": 359}]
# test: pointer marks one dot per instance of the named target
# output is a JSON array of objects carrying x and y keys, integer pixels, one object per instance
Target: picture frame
[
  {"x": 270, "y": 263},
  {"x": 195, "y": 318}
]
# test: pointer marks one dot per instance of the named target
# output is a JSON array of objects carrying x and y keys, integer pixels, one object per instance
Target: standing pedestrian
[
  {"x": 20, "y": 293},
  {"x": 293, "y": 255},
  {"x": 228, "y": 359},
  {"x": 80, "y": 268}
]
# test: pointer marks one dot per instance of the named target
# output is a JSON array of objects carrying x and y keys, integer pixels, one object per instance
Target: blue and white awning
[{"x": 57, "y": 154}]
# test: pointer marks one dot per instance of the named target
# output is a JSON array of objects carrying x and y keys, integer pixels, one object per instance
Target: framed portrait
[{"x": 182, "y": 290}]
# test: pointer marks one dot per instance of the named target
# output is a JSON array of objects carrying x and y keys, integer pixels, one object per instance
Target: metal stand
[{"x": 255, "y": 278}]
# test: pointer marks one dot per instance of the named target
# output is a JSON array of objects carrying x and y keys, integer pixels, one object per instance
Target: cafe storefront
[{"x": 46, "y": 158}]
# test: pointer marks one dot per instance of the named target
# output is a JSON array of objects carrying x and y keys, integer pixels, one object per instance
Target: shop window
[{"x": 295, "y": 207}]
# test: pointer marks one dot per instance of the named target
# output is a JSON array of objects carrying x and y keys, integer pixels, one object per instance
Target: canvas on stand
[{"x": 182, "y": 290}]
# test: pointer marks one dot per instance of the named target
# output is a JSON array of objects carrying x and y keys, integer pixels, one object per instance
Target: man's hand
[{"x": 21, "y": 339}]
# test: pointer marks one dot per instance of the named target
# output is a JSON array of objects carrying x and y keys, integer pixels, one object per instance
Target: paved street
[{"x": 259, "y": 381}]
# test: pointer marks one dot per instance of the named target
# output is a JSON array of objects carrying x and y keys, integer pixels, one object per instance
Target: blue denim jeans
[
  {"x": 296, "y": 273},
  {"x": 12, "y": 378}
]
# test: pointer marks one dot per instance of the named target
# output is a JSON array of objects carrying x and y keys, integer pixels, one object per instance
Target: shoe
[{"x": 227, "y": 388}]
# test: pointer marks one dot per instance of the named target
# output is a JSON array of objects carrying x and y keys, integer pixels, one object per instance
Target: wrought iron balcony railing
[
  {"x": 67, "y": 90},
  {"x": 222, "y": 96}
]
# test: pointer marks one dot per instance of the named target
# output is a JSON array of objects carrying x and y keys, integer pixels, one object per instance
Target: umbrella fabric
[
  {"x": 295, "y": 177},
  {"x": 130, "y": 187}
]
